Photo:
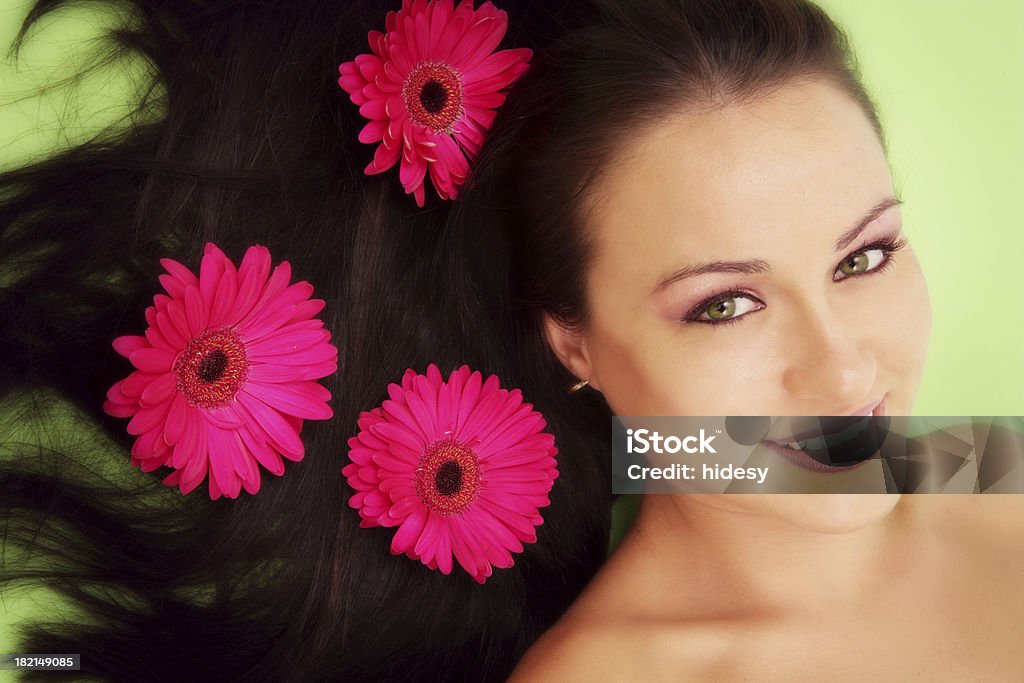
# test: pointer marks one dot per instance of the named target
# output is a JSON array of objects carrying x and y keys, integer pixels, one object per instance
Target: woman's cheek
[
  {"x": 897, "y": 309},
  {"x": 912, "y": 330},
  {"x": 646, "y": 375},
  {"x": 719, "y": 374}
]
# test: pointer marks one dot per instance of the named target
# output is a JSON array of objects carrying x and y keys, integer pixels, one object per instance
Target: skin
[{"x": 705, "y": 586}]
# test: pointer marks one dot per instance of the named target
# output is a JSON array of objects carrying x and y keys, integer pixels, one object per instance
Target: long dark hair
[{"x": 243, "y": 138}]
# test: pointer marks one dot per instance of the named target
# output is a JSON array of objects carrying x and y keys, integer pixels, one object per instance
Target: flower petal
[
  {"x": 409, "y": 531},
  {"x": 307, "y": 400},
  {"x": 281, "y": 434},
  {"x": 177, "y": 419},
  {"x": 152, "y": 360},
  {"x": 129, "y": 344},
  {"x": 159, "y": 390}
]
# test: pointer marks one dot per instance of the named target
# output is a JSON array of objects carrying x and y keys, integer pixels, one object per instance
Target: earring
[{"x": 579, "y": 385}]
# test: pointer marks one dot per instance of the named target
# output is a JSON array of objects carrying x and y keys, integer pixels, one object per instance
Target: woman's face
[{"x": 742, "y": 267}]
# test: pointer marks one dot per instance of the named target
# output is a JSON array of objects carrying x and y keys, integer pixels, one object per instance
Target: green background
[
  {"x": 948, "y": 77},
  {"x": 946, "y": 74}
]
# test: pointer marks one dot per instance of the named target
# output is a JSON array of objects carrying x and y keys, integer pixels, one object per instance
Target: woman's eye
[
  {"x": 726, "y": 308},
  {"x": 861, "y": 262}
]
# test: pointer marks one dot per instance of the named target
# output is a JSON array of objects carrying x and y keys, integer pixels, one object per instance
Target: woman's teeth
[{"x": 829, "y": 441}]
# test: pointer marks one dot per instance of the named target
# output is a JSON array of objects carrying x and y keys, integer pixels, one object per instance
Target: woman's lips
[
  {"x": 819, "y": 441},
  {"x": 869, "y": 409},
  {"x": 819, "y": 427},
  {"x": 805, "y": 461}
]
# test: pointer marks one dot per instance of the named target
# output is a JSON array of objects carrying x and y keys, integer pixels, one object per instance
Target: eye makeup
[
  {"x": 887, "y": 245},
  {"x": 717, "y": 299},
  {"x": 700, "y": 313}
]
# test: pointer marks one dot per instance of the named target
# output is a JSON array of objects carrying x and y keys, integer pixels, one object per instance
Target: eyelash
[{"x": 888, "y": 246}]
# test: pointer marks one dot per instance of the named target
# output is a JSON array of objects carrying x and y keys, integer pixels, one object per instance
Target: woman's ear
[{"x": 570, "y": 347}]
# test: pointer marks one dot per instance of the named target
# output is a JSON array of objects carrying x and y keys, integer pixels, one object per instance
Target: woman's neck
[{"x": 735, "y": 558}]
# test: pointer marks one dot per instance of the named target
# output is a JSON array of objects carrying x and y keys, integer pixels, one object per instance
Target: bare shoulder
[
  {"x": 573, "y": 649},
  {"x": 589, "y": 649},
  {"x": 611, "y": 633}
]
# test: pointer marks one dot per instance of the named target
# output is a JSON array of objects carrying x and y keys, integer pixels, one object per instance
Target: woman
[
  {"x": 706, "y": 587},
  {"x": 729, "y": 242},
  {"x": 283, "y": 584}
]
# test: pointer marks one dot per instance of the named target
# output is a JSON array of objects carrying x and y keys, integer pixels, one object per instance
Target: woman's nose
[{"x": 831, "y": 364}]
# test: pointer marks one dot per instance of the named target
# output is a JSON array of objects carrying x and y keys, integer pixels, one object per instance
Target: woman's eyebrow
[
  {"x": 748, "y": 267},
  {"x": 758, "y": 266},
  {"x": 876, "y": 211}
]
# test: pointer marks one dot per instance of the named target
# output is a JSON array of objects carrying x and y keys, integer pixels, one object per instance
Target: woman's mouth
[{"x": 835, "y": 444}]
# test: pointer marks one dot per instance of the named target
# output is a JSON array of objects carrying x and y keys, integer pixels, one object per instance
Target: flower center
[
  {"x": 448, "y": 476},
  {"x": 212, "y": 368},
  {"x": 432, "y": 94}
]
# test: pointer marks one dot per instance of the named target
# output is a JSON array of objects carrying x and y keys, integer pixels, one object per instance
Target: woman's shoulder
[
  {"x": 570, "y": 650},
  {"x": 610, "y": 647},
  {"x": 578, "y": 649}
]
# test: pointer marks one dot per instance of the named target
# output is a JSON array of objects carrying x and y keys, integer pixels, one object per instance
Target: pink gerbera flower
[
  {"x": 225, "y": 373},
  {"x": 460, "y": 467},
  {"x": 430, "y": 89}
]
